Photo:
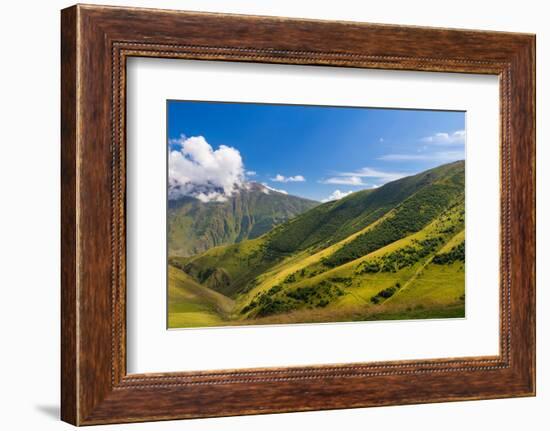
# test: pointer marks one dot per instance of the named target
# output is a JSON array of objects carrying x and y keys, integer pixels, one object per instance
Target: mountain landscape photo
[{"x": 367, "y": 227}]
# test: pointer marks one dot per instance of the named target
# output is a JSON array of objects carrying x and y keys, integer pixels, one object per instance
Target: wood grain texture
[
  {"x": 96, "y": 41},
  {"x": 69, "y": 397}
]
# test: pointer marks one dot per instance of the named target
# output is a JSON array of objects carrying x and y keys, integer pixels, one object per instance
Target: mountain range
[
  {"x": 195, "y": 226},
  {"x": 394, "y": 252}
]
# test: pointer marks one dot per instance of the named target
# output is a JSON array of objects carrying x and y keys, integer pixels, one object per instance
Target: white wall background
[{"x": 29, "y": 215}]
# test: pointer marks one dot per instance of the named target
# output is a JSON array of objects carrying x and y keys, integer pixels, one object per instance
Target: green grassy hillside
[
  {"x": 190, "y": 304},
  {"x": 334, "y": 221},
  {"x": 383, "y": 258},
  {"x": 366, "y": 285}
]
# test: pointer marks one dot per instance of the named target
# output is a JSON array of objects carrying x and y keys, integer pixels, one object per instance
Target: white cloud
[
  {"x": 444, "y": 138},
  {"x": 282, "y": 179},
  {"x": 356, "y": 178},
  {"x": 196, "y": 169},
  {"x": 344, "y": 180},
  {"x": 335, "y": 195},
  {"x": 375, "y": 173},
  {"x": 176, "y": 142},
  {"x": 251, "y": 173},
  {"x": 210, "y": 196},
  {"x": 440, "y": 156},
  {"x": 267, "y": 189}
]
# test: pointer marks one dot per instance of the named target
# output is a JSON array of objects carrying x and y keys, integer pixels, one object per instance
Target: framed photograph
[{"x": 266, "y": 215}]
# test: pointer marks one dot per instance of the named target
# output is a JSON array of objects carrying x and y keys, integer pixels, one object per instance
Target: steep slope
[
  {"x": 419, "y": 275},
  {"x": 195, "y": 226},
  {"x": 440, "y": 283},
  {"x": 313, "y": 242},
  {"x": 191, "y": 304},
  {"x": 410, "y": 216},
  {"x": 333, "y": 221}
]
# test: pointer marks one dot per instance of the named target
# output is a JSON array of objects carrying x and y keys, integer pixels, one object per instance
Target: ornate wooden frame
[{"x": 95, "y": 42}]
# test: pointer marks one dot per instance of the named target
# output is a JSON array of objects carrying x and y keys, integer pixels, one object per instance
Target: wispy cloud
[
  {"x": 439, "y": 156},
  {"x": 293, "y": 179},
  {"x": 251, "y": 173},
  {"x": 345, "y": 180},
  {"x": 336, "y": 195},
  {"x": 454, "y": 140},
  {"x": 375, "y": 173},
  {"x": 445, "y": 138},
  {"x": 357, "y": 178}
]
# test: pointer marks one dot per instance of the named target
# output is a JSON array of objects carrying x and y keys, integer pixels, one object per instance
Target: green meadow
[{"x": 390, "y": 253}]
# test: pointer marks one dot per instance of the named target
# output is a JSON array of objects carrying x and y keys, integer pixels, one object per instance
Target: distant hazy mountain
[
  {"x": 195, "y": 226},
  {"x": 395, "y": 252}
]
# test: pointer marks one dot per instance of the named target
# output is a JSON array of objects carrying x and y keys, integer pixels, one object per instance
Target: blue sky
[{"x": 309, "y": 151}]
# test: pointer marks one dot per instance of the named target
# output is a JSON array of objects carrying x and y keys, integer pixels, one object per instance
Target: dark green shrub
[
  {"x": 457, "y": 253},
  {"x": 273, "y": 306},
  {"x": 385, "y": 293},
  {"x": 274, "y": 290},
  {"x": 411, "y": 216}
]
